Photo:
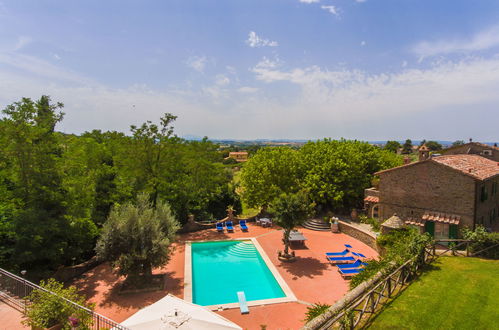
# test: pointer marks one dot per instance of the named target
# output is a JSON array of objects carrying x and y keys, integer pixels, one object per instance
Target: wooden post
[
  {"x": 468, "y": 248},
  {"x": 389, "y": 287}
]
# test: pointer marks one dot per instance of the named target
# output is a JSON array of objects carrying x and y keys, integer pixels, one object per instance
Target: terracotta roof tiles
[{"x": 476, "y": 166}]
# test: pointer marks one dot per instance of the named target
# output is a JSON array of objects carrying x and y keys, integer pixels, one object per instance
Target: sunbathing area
[{"x": 312, "y": 278}]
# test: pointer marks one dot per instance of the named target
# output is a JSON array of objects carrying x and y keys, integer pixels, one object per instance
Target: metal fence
[{"x": 16, "y": 290}]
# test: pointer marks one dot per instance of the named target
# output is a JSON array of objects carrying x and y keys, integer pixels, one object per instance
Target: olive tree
[{"x": 137, "y": 238}]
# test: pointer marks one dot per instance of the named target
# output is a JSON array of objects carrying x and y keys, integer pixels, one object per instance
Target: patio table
[
  {"x": 296, "y": 236},
  {"x": 265, "y": 222}
]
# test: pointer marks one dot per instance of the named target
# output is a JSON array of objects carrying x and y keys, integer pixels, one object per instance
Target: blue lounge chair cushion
[
  {"x": 342, "y": 253},
  {"x": 348, "y": 246},
  {"x": 358, "y": 263},
  {"x": 339, "y": 260},
  {"x": 352, "y": 271},
  {"x": 229, "y": 225},
  {"x": 220, "y": 227},
  {"x": 243, "y": 305},
  {"x": 242, "y": 224},
  {"x": 359, "y": 255}
]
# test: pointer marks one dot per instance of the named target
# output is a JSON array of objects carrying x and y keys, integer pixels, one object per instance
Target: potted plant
[
  {"x": 334, "y": 225},
  {"x": 48, "y": 309}
]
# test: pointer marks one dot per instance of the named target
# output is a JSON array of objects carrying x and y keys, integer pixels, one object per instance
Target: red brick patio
[{"x": 311, "y": 279}]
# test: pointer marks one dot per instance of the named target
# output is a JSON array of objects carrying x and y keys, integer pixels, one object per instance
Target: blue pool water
[{"x": 221, "y": 269}]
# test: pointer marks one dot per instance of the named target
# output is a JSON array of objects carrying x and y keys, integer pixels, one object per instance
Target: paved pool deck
[{"x": 311, "y": 278}]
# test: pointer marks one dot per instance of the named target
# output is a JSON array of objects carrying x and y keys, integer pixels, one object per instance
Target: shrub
[
  {"x": 375, "y": 224},
  {"x": 399, "y": 246},
  {"x": 482, "y": 240},
  {"x": 315, "y": 310},
  {"x": 47, "y": 309}
]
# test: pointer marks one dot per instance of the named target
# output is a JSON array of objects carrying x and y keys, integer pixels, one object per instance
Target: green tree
[
  {"x": 39, "y": 219},
  {"x": 136, "y": 238},
  {"x": 336, "y": 172},
  {"x": 392, "y": 146},
  {"x": 433, "y": 145},
  {"x": 290, "y": 211},
  {"x": 149, "y": 153},
  {"x": 407, "y": 147},
  {"x": 269, "y": 173},
  {"x": 457, "y": 143}
]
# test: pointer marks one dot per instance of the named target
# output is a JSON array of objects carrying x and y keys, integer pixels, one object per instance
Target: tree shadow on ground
[
  {"x": 308, "y": 267},
  {"x": 113, "y": 298},
  {"x": 89, "y": 281}
]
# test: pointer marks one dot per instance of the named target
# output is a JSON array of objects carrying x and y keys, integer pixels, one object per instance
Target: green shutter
[
  {"x": 453, "y": 230},
  {"x": 429, "y": 227}
]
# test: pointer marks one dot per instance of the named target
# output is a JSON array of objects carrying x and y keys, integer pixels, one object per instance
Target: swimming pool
[{"x": 220, "y": 269}]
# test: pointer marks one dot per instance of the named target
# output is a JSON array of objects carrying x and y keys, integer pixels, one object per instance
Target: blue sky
[{"x": 303, "y": 69}]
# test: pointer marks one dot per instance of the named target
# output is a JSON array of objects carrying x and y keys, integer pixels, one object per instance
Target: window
[{"x": 483, "y": 193}]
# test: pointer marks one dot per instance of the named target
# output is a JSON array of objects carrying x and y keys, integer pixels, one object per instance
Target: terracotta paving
[
  {"x": 311, "y": 279},
  {"x": 10, "y": 318}
]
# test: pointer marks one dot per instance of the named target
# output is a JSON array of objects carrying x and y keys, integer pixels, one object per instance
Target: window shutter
[
  {"x": 453, "y": 231},
  {"x": 429, "y": 227}
]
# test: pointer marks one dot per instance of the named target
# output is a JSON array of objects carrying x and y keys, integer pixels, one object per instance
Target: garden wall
[{"x": 360, "y": 234}]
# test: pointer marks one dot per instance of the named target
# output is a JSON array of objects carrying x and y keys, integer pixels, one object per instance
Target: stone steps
[{"x": 317, "y": 224}]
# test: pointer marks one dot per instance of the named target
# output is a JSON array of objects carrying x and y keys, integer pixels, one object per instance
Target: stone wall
[
  {"x": 485, "y": 209},
  {"x": 427, "y": 186},
  {"x": 364, "y": 236}
]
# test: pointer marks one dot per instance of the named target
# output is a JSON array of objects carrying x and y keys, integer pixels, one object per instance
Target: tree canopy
[
  {"x": 334, "y": 173},
  {"x": 136, "y": 237}
]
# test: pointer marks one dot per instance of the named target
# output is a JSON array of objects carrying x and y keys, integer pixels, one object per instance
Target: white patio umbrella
[{"x": 171, "y": 312}]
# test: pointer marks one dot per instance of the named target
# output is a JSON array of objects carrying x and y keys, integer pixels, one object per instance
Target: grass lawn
[{"x": 457, "y": 293}]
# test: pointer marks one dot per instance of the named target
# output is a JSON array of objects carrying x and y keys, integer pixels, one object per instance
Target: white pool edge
[{"x": 289, "y": 295}]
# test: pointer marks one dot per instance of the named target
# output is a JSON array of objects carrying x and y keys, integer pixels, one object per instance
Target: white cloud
[
  {"x": 362, "y": 43},
  {"x": 482, "y": 40},
  {"x": 56, "y": 56},
  {"x": 404, "y": 64},
  {"x": 247, "y": 89},
  {"x": 308, "y": 102},
  {"x": 21, "y": 42},
  {"x": 222, "y": 80},
  {"x": 197, "y": 63},
  {"x": 348, "y": 96},
  {"x": 310, "y": 1},
  {"x": 255, "y": 41},
  {"x": 35, "y": 66},
  {"x": 332, "y": 9}
]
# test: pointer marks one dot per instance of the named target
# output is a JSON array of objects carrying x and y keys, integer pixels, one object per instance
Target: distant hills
[{"x": 302, "y": 141}]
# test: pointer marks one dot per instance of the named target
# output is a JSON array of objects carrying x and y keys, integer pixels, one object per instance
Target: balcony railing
[{"x": 16, "y": 290}]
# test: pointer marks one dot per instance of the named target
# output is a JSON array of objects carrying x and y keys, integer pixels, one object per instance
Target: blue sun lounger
[
  {"x": 338, "y": 254},
  {"x": 242, "y": 224},
  {"x": 220, "y": 227},
  {"x": 340, "y": 260},
  {"x": 359, "y": 255},
  {"x": 349, "y": 272},
  {"x": 358, "y": 263},
  {"x": 229, "y": 225},
  {"x": 243, "y": 305}
]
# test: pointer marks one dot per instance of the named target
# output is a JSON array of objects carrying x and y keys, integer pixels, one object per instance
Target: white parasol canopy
[{"x": 171, "y": 312}]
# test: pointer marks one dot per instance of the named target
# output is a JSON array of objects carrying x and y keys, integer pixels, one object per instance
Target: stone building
[
  {"x": 239, "y": 156},
  {"x": 440, "y": 194},
  {"x": 474, "y": 148}
]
